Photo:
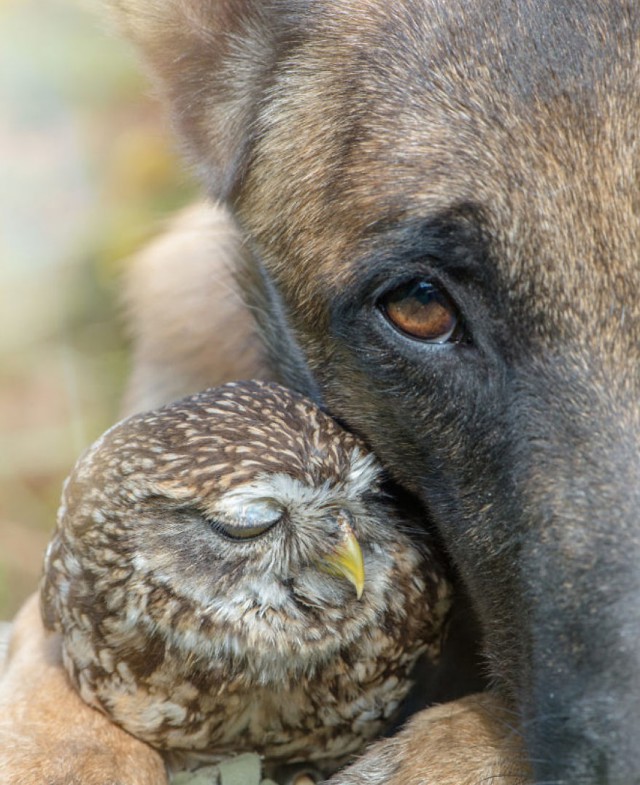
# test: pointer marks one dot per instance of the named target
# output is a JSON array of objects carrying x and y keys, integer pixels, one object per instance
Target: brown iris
[{"x": 423, "y": 311}]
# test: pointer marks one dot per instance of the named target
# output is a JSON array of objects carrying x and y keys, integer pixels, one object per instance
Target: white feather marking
[{"x": 293, "y": 493}]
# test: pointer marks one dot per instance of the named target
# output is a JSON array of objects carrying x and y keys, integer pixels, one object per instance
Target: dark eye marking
[{"x": 423, "y": 311}]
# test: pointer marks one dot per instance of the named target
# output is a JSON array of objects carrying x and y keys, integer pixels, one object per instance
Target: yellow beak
[{"x": 346, "y": 560}]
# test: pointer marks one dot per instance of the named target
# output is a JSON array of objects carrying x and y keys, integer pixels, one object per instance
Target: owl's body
[{"x": 205, "y": 575}]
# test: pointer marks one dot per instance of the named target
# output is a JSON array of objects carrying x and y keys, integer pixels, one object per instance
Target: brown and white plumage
[{"x": 205, "y": 575}]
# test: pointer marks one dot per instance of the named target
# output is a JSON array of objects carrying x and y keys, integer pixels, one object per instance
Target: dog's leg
[
  {"x": 48, "y": 736},
  {"x": 467, "y": 742}
]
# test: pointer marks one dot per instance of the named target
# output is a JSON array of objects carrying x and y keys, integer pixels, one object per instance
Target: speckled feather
[{"x": 205, "y": 646}]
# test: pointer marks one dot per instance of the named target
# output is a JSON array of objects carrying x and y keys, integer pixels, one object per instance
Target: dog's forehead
[{"x": 529, "y": 110}]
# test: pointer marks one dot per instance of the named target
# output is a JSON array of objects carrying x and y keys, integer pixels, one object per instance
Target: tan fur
[
  {"x": 188, "y": 334},
  {"x": 225, "y": 41},
  {"x": 48, "y": 736},
  {"x": 324, "y": 124},
  {"x": 189, "y": 324},
  {"x": 467, "y": 742}
]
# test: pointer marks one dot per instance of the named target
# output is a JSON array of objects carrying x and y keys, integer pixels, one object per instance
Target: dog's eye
[{"x": 423, "y": 311}]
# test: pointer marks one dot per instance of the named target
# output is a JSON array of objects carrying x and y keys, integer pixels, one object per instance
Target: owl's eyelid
[
  {"x": 261, "y": 511},
  {"x": 248, "y": 520},
  {"x": 233, "y": 531}
]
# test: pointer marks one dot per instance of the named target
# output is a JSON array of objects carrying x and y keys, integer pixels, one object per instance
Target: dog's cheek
[
  {"x": 441, "y": 429},
  {"x": 442, "y": 433}
]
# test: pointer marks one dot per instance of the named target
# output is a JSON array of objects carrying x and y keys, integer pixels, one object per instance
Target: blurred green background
[{"x": 88, "y": 171}]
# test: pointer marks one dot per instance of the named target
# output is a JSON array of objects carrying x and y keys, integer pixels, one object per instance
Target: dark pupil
[{"x": 423, "y": 311}]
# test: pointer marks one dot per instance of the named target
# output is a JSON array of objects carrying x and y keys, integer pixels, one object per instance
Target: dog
[{"x": 434, "y": 210}]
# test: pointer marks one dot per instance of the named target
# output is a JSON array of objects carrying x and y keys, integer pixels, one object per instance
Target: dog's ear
[{"x": 213, "y": 61}]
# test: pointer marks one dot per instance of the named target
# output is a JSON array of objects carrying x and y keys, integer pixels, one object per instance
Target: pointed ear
[{"x": 213, "y": 61}]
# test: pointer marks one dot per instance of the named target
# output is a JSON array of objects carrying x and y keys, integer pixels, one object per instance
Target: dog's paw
[{"x": 467, "y": 742}]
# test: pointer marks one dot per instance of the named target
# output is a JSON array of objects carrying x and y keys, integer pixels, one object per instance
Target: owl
[{"x": 229, "y": 574}]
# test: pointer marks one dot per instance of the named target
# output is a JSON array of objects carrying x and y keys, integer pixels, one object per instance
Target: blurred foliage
[{"x": 88, "y": 172}]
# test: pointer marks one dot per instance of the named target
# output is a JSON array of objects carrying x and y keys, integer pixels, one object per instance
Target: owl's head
[{"x": 240, "y": 526}]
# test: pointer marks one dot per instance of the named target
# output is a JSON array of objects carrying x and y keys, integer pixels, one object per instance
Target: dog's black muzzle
[{"x": 577, "y": 557}]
